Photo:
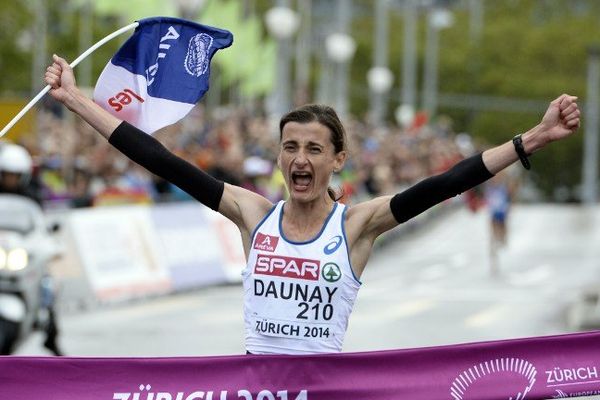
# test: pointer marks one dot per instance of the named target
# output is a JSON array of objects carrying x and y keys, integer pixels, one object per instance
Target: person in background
[
  {"x": 499, "y": 194},
  {"x": 16, "y": 167}
]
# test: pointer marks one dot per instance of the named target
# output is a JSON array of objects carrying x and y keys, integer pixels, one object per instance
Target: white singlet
[{"x": 298, "y": 296}]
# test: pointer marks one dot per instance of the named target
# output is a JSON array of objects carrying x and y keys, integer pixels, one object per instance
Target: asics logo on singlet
[
  {"x": 289, "y": 267},
  {"x": 265, "y": 242},
  {"x": 333, "y": 245}
]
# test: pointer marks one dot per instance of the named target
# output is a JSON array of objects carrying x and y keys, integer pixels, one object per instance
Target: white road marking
[{"x": 488, "y": 316}]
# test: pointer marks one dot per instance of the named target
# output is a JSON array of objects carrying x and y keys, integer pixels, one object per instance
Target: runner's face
[{"x": 307, "y": 159}]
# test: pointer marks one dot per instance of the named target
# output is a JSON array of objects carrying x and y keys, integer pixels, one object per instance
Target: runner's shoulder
[
  {"x": 360, "y": 214},
  {"x": 246, "y": 202}
]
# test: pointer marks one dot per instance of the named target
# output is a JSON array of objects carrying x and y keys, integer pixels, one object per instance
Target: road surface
[{"x": 430, "y": 287}]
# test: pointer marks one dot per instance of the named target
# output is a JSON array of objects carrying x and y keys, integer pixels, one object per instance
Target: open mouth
[{"x": 301, "y": 179}]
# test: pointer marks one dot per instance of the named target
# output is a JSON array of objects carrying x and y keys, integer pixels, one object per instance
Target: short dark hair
[{"x": 326, "y": 116}]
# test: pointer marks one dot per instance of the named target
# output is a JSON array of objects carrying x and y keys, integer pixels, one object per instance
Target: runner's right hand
[{"x": 59, "y": 75}]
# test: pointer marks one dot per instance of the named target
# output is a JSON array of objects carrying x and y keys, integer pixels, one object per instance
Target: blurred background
[
  {"x": 487, "y": 69},
  {"x": 420, "y": 85}
]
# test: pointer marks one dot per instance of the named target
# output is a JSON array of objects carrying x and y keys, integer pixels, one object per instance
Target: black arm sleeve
[
  {"x": 431, "y": 191},
  {"x": 152, "y": 155}
]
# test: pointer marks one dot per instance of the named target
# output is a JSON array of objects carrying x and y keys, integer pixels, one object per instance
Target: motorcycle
[{"x": 26, "y": 247}]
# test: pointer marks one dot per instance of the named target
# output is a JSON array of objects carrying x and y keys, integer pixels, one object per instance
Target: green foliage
[
  {"x": 17, "y": 19},
  {"x": 14, "y": 19},
  {"x": 252, "y": 70},
  {"x": 529, "y": 49}
]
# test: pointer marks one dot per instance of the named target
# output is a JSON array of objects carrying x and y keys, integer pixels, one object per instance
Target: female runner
[{"x": 305, "y": 255}]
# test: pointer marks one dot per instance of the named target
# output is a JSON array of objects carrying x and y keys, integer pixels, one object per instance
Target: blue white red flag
[{"x": 160, "y": 72}]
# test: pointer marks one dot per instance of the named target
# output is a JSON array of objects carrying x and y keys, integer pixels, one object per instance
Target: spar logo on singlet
[
  {"x": 265, "y": 242},
  {"x": 288, "y": 267}
]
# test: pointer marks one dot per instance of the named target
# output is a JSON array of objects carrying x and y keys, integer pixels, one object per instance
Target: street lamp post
[
  {"x": 282, "y": 23},
  {"x": 303, "y": 52},
  {"x": 380, "y": 80},
  {"x": 39, "y": 56},
  {"x": 437, "y": 19},
  {"x": 341, "y": 48},
  {"x": 405, "y": 115},
  {"x": 590, "y": 147},
  {"x": 40, "y": 28},
  {"x": 380, "y": 77},
  {"x": 86, "y": 40},
  {"x": 409, "y": 55}
]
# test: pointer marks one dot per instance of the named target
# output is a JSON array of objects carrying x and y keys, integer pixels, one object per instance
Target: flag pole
[{"x": 73, "y": 64}]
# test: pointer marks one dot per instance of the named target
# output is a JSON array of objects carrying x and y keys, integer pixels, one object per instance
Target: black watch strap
[{"x": 518, "y": 143}]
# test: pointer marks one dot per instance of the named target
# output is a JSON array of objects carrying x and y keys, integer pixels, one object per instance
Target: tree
[{"x": 529, "y": 50}]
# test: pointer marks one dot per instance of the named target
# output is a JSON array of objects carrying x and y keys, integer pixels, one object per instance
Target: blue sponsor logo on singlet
[{"x": 333, "y": 245}]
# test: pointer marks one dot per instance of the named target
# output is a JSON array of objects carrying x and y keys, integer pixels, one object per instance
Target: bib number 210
[{"x": 317, "y": 311}]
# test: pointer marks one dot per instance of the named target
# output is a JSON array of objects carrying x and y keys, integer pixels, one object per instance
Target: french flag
[{"x": 160, "y": 72}]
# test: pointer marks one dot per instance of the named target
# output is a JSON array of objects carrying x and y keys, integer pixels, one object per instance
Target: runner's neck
[{"x": 303, "y": 221}]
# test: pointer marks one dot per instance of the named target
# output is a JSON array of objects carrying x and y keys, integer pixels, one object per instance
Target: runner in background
[
  {"x": 305, "y": 255},
  {"x": 500, "y": 192}
]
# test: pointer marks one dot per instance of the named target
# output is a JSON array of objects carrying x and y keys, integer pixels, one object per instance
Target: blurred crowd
[{"x": 74, "y": 167}]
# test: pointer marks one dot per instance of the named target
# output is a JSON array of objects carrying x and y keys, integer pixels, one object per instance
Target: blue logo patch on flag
[{"x": 160, "y": 72}]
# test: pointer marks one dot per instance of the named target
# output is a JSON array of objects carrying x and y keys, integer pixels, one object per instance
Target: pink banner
[{"x": 536, "y": 368}]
